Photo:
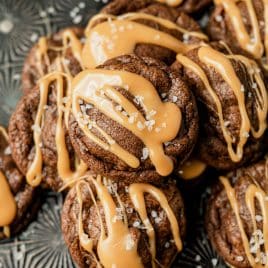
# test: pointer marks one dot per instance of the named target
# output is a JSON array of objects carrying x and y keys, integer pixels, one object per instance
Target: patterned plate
[{"x": 22, "y": 22}]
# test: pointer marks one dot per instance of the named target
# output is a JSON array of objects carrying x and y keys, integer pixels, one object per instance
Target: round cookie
[
  {"x": 21, "y": 201},
  {"x": 123, "y": 148},
  {"x": 38, "y": 135},
  {"x": 126, "y": 219},
  {"x": 187, "y": 6},
  {"x": 42, "y": 58},
  {"x": 236, "y": 231},
  {"x": 231, "y": 94},
  {"x": 242, "y": 27},
  {"x": 152, "y": 30}
]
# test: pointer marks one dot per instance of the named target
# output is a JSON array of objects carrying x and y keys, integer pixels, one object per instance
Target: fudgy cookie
[
  {"x": 152, "y": 30},
  {"x": 232, "y": 100},
  {"x": 243, "y": 26},
  {"x": 237, "y": 217},
  {"x": 19, "y": 202},
  {"x": 188, "y": 6},
  {"x": 38, "y": 134},
  {"x": 136, "y": 225},
  {"x": 143, "y": 127},
  {"x": 60, "y": 51}
]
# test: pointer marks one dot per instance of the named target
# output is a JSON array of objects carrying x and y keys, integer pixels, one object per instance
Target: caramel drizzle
[
  {"x": 172, "y": 3},
  {"x": 69, "y": 39},
  {"x": 192, "y": 169},
  {"x": 97, "y": 87},
  {"x": 119, "y": 35},
  {"x": 8, "y": 207},
  {"x": 117, "y": 248},
  {"x": 253, "y": 193},
  {"x": 252, "y": 43},
  {"x": 34, "y": 174},
  {"x": 223, "y": 65}
]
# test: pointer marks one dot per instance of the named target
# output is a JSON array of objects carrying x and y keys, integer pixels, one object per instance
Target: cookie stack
[{"x": 116, "y": 113}]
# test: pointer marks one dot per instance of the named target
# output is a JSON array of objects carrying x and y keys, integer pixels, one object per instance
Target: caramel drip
[
  {"x": 118, "y": 247},
  {"x": 8, "y": 207},
  {"x": 192, "y": 169},
  {"x": 251, "y": 42},
  {"x": 97, "y": 87},
  {"x": 4, "y": 132},
  {"x": 223, "y": 65},
  {"x": 172, "y": 3},
  {"x": 136, "y": 193},
  {"x": 119, "y": 35},
  {"x": 34, "y": 174},
  {"x": 252, "y": 194},
  {"x": 69, "y": 39}
]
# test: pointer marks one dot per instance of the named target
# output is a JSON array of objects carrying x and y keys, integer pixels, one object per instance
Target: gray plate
[{"x": 41, "y": 245}]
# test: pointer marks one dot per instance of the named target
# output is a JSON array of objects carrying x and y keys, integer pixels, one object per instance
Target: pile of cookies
[{"x": 115, "y": 114}]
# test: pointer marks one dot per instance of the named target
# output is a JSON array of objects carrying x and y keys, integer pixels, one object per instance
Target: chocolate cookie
[
  {"x": 137, "y": 225},
  {"x": 19, "y": 201},
  {"x": 188, "y": 6},
  {"x": 232, "y": 99},
  {"x": 142, "y": 128},
  {"x": 237, "y": 216},
  {"x": 38, "y": 134},
  {"x": 60, "y": 51},
  {"x": 152, "y": 30},
  {"x": 242, "y": 26}
]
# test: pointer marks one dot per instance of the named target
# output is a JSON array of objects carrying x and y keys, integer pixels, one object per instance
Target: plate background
[{"x": 22, "y": 22}]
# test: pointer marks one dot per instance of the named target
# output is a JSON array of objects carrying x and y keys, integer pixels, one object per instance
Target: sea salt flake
[
  {"x": 7, "y": 151},
  {"x": 258, "y": 218},
  {"x": 242, "y": 88},
  {"x": 167, "y": 245},
  {"x": 239, "y": 258},
  {"x": 136, "y": 224},
  {"x": 158, "y": 220},
  {"x": 218, "y": 18},
  {"x": 139, "y": 100},
  {"x": 174, "y": 98},
  {"x": 140, "y": 125},
  {"x": 163, "y": 95},
  {"x": 118, "y": 108},
  {"x": 254, "y": 85},
  {"x": 154, "y": 214},
  {"x": 145, "y": 153}
]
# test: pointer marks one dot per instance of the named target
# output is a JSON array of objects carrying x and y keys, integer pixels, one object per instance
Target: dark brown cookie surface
[
  {"x": 123, "y": 6},
  {"x": 171, "y": 88},
  {"x": 27, "y": 198},
  {"x": 161, "y": 11},
  {"x": 217, "y": 94},
  {"x": 222, "y": 222},
  {"x": 50, "y": 49},
  {"x": 165, "y": 248}
]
